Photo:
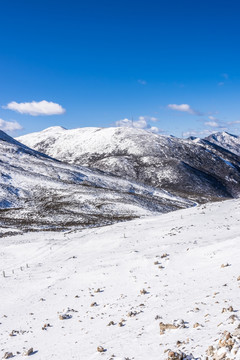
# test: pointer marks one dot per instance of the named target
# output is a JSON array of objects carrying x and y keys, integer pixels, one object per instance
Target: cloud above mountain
[
  {"x": 141, "y": 123},
  {"x": 197, "y": 133},
  {"x": 35, "y": 108},
  {"x": 212, "y": 123},
  {"x": 9, "y": 125},
  {"x": 184, "y": 108}
]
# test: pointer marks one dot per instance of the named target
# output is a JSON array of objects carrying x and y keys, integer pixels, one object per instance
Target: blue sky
[{"x": 168, "y": 65}]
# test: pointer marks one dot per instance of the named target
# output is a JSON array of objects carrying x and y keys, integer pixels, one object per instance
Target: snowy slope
[
  {"x": 226, "y": 140},
  {"x": 187, "y": 261},
  {"x": 197, "y": 170},
  {"x": 38, "y": 192}
]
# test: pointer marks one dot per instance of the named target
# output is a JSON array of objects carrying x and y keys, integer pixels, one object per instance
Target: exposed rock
[
  {"x": 232, "y": 318},
  {"x": 172, "y": 355},
  {"x": 111, "y": 323},
  {"x": 164, "y": 327},
  {"x": 225, "y": 265},
  {"x": 101, "y": 349},
  {"x": 28, "y": 352},
  {"x": 228, "y": 347},
  {"x": 8, "y": 355},
  {"x": 64, "y": 316},
  {"x": 93, "y": 304},
  {"x": 45, "y": 326},
  {"x": 132, "y": 313},
  {"x": 230, "y": 309},
  {"x": 196, "y": 325}
]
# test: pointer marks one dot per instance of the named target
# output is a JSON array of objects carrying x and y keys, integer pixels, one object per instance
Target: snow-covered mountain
[
  {"x": 226, "y": 140},
  {"x": 197, "y": 170},
  {"x": 37, "y": 191}
]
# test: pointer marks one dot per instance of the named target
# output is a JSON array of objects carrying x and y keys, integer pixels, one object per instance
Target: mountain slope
[
  {"x": 38, "y": 192},
  {"x": 177, "y": 258},
  {"x": 197, "y": 170},
  {"x": 226, "y": 140}
]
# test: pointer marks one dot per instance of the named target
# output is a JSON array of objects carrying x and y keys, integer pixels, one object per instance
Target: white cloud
[
  {"x": 142, "y": 82},
  {"x": 233, "y": 122},
  {"x": 36, "y": 108},
  {"x": 9, "y": 125},
  {"x": 212, "y": 117},
  {"x": 216, "y": 123},
  {"x": 184, "y": 108},
  {"x": 212, "y": 123},
  {"x": 152, "y": 118},
  {"x": 154, "y": 129},
  {"x": 141, "y": 123},
  {"x": 196, "y": 133},
  {"x": 226, "y": 76}
]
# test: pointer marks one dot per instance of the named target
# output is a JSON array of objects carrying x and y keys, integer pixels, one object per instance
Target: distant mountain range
[
  {"x": 197, "y": 169},
  {"x": 39, "y": 192},
  {"x": 226, "y": 140}
]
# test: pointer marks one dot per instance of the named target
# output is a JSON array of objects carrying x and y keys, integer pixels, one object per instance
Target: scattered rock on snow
[
  {"x": 28, "y": 352},
  {"x": 196, "y": 325},
  {"x": 111, "y": 323},
  {"x": 230, "y": 309},
  {"x": 132, "y": 313},
  {"x": 8, "y": 355},
  {"x": 93, "y": 304},
  {"x": 228, "y": 347},
  {"x": 225, "y": 265},
  {"x": 172, "y": 355},
  {"x": 64, "y": 316},
  {"x": 164, "y": 327},
  {"x": 101, "y": 349}
]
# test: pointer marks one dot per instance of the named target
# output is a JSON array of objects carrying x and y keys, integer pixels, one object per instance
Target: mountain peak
[{"x": 226, "y": 140}]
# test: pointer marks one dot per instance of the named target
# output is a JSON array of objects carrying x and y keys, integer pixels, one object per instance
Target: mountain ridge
[
  {"x": 200, "y": 170},
  {"x": 39, "y": 192}
]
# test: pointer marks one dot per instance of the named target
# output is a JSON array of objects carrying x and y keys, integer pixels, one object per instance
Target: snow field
[{"x": 136, "y": 274}]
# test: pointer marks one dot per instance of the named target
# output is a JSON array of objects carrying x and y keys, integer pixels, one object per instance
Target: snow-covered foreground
[{"x": 107, "y": 268}]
